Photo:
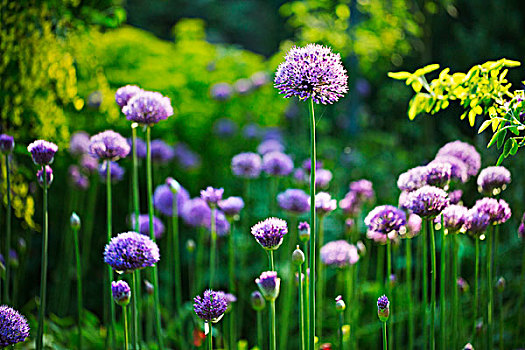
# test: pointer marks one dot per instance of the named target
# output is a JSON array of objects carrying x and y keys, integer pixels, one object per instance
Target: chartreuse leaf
[
  {"x": 485, "y": 125},
  {"x": 399, "y": 75},
  {"x": 515, "y": 147},
  {"x": 511, "y": 63},
  {"x": 500, "y": 159},
  {"x": 426, "y": 69}
]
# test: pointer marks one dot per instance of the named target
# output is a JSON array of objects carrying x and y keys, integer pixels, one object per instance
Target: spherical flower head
[
  {"x": 339, "y": 254},
  {"x": 476, "y": 222},
  {"x": 148, "y": 108},
  {"x": 304, "y": 231},
  {"x": 195, "y": 211},
  {"x": 230, "y": 299},
  {"x": 383, "y": 308},
  {"x": 251, "y": 131},
  {"x": 48, "y": 174},
  {"x": 454, "y": 218},
  {"x": 363, "y": 189},
  {"x": 298, "y": 257},
  {"x": 221, "y": 91},
  {"x": 462, "y": 150},
  {"x": 269, "y": 284},
  {"x": 163, "y": 199},
  {"x": 414, "y": 222},
  {"x": 158, "y": 226},
  {"x": 498, "y": 210},
  {"x": 211, "y": 306},
  {"x": 458, "y": 168},
  {"x": 351, "y": 204},
  {"x": 74, "y": 221},
  {"x": 324, "y": 203},
  {"x": 294, "y": 201},
  {"x": 299, "y": 175},
  {"x": 14, "y": 328},
  {"x": 130, "y": 251},
  {"x": 161, "y": 152},
  {"x": 243, "y": 86},
  {"x": 125, "y": 93},
  {"x": 222, "y": 225},
  {"x": 211, "y": 195},
  {"x": 493, "y": 179},
  {"x": 385, "y": 222},
  {"x": 78, "y": 180},
  {"x": 121, "y": 292},
  {"x": 142, "y": 148},
  {"x": 277, "y": 164},
  {"x": 247, "y": 165},
  {"x": 257, "y": 300},
  {"x": 7, "y": 143},
  {"x": 268, "y": 146},
  {"x": 231, "y": 206},
  {"x": 186, "y": 158},
  {"x": 323, "y": 178},
  {"x": 455, "y": 196},
  {"x": 259, "y": 79},
  {"x": 313, "y": 72},
  {"x": 270, "y": 232},
  {"x": 89, "y": 163},
  {"x": 225, "y": 127},
  {"x": 108, "y": 145},
  {"x": 427, "y": 202},
  {"x": 437, "y": 174},
  {"x": 42, "y": 152},
  {"x": 412, "y": 179},
  {"x": 79, "y": 143},
  {"x": 117, "y": 172}
]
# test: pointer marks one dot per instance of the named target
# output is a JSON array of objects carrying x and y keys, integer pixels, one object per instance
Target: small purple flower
[
  {"x": 299, "y": 176},
  {"x": 324, "y": 203},
  {"x": 131, "y": 251},
  {"x": 49, "y": 176},
  {"x": 195, "y": 211},
  {"x": 212, "y": 196},
  {"x": 259, "y": 79},
  {"x": 14, "y": 328},
  {"x": 351, "y": 204},
  {"x": 294, "y": 201},
  {"x": 221, "y": 91},
  {"x": 225, "y": 127},
  {"x": 163, "y": 199},
  {"x": 277, "y": 164},
  {"x": 313, "y": 72},
  {"x": 222, "y": 225},
  {"x": 270, "y": 232},
  {"x": 270, "y": 146},
  {"x": 385, "y": 222},
  {"x": 79, "y": 180},
  {"x": 493, "y": 179},
  {"x": 161, "y": 152},
  {"x": 383, "y": 308},
  {"x": 437, "y": 174},
  {"x": 42, "y": 152},
  {"x": 465, "y": 152},
  {"x": 79, "y": 143},
  {"x": 231, "y": 206},
  {"x": 269, "y": 284},
  {"x": 273, "y": 133},
  {"x": 412, "y": 179},
  {"x": 148, "y": 107},
  {"x": 307, "y": 165},
  {"x": 304, "y": 231},
  {"x": 476, "y": 222},
  {"x": 323, "y": 178},
  {"x": 7, "y": 143},
  {"x": 89, "y": 163},
  {"x": 125, "y": 93},
  {"x": 117, "y": 172},
  {"x": 454, "y": 218},
  {"x": 458, "y": 168},
  {"x": 108, "y": 145},
  {"x": 455, "y": 196},
  {"x": 339, "y": 254},
  {"x": 211, "y": 306},
  {"x": 243, "y": 86},
  {"x": 414, "y": 222},
  {"x": 230, "y": 299},
  {"x": 498, "y": 210},
  {"x": 141, "y": 146},
  {"x": 251, "y": 131},
  {"x": 186, "y": 158},
  {"x": 121, "y": 292},
  {"x": 158, "y": 226},
  {"x": 257, "y": 300},
  {"x": 462, "y": 284},
  {"x": 521, "y": 230},
  {"x": 363, "y": 189},
  {"x": 427, "y": 202},
  {"x": 247, "y": 165}
]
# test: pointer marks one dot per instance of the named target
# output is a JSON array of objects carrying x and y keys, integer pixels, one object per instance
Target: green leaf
[
  {"x": 507, "y": 147},
  {"x": 501, "y": 137},
  {"x": 514, "y": 148},
  {"x": 511, "y": 63},
  {"x": 500, "y": 160},
  {"x": 494, "y": 138},
  {"x": 399, "y": 75},
  {"x": 514, "y": 130},
  {"x": 485, "y": 125}
]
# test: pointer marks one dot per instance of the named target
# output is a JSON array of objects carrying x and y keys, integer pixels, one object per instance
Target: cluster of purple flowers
[
  {"x": 339, "y": 254},
  {"x": 231, "y": 206},
  {"x": 14, "y": 328},
  {"x": 294, "y": 201},
  {"x": 427, "y": 201},
  {"x": 108, "y": 145},
  {"x": 361, "y": 192},
  {"x": 493, "y": 179},
  {"x": 163, "y": 199},
  {"x": 147, "y": 107},
  {"x": 269, "y": 285},
  {"x": 197, "y": 213},
  {"x": 277, "y": 164},
  {"x": 42, "y": 152},
  {"x": 324, "y": 204},
  {"x": 270, "y": 232},
  {"x": 211, "y": 306},
  {"x": 247, "y": 165},
  {"x": 7, "y": 143},
  {"x": 116, "y": 171},
  {"x": 161, "y": 152},
  {"x": 121, "y": 292},
  {"x": 384, "y": 223},
  {"x": 131, "y": 251},
  {"x": 158, "y": 226},
  {"x": 497, "y": 210}
]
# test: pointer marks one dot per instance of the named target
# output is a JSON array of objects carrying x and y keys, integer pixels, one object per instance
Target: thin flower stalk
[
  {"x": 210, "y": 336},
  {"x": 433, "y": 287},
  {"x": 409, "y": 293},
  {"x": 177, "y": 281},
  {"x": 125, "y": 313},
  {"x": 320, "y": 284},
  {"x": 428, "y": 225},
  {"x": 385, "y": 339},
  {"x": 231, "y": 283},
  {"x": 442, "y": 283},
  {"x": 213, "y": 250},
  {"x": 136, "y": 210},
  {"x": 476, "y": 289},
  {"x": 455, "y": 294},
  {"x": 389, "y": 286},
  {"x": 301, "y": 308},
  {"x": 109, "y": 275},
  {"x": 288, "y": 296},
  {"x": 43, "y": 271},
  {"x": 490, "y": 286},
  {"x": 259, "y": 329},
  {"x": 313, "y": 236},
  {"x": 79, "y": 287},
  {"x": 7, "y": 247}
]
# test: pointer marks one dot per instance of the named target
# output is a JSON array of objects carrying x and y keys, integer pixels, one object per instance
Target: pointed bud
[
  {"x": 298, "y": 256},
  {"x": 258, "y": 302},
  {"x": 121, "y": 292},
  {"x": 340, "y": 304},
  {"x": 74, "y": 221}
]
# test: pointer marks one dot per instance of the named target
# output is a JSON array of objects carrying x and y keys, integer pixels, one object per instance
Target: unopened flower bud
[
  {"x": 258, "y": 302},
  {"x": 304, "y": 231},
  {"x": 500, "y": 284},
  {"x": 121, "y": 292},
  {"x": 462, "y": 285},
  {"x": 340, "y": 304},
  {"x": 190, "y": 245},
  {"x": 361, "y": 248},
  {"x": 392, "y": 280},
  {"x": 269, "y": 284},
  {"x": 298, "y": 256},
  {"x": 468, "y": 346},
  {"x": 74, "y": 221},
  {"x": 173, "y": 184},
  {"x": 22, "y": 245},
  {"x": 383, "y": 308},
  {"x": 149, "y": 287},
  {"x": 49, "y": 176},
  {"x": 479, "y": 326}
]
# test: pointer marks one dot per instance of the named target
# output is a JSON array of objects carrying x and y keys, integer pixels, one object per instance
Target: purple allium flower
[
  {"x": 121, "y": 292},
  {"x": 299, "y": 175},
  {"x": 257, "y": 300},
  {"x": 454, "y": 218},
  {"x": 186, "y": 158},
  {"x": 455, "y": 196},
  {"x": 294, "y": 201},
  {"x": 89, "y": 163},
  {"x": 147, "y": 108},
  {"x": 142, "y": 148},
  {"x": 163, "y": 199},
  {"x": 402, "y": 201},
  {"x": 222, "y": 225},
  {"x": 79, "y": 143},
  {"x": 414, "y": 222},
  {"x": 251, "y": 131},
  {"x": 117, "y": 172},
  {"x": 230, "y": 299},
  {"x": 158, "y": 226},
  {"x": 323, "y": 178},
  {"x": 498, "y": 210},
  {"x": 212, "y": 196},
  {"x": 243, "y": 86},
  {"x": 270, "y": 232},
  {"x": 49, "y": 176},
  {"x": 94, "y": 99},
  {"x": 231, "y": 206},
  {"x": 412, "y": 179},
  {"x": 458, "y": 168},
  {"x": 108, "y": 145},
  {"x": 269, "y": 284},
  {"x": 493, "y": 179},
  {"x": 42, "y": 152},
  {"x": 7, "y": 143},
  {"x": 195, "y": 212},
  {"x": 385, "y": 222},
  {"x": 125, "y": 93},
  {"x": 79, "y": 180},
  {"x": 437, "y": 174},
  {"x": 363, "y": 189},
  {"x": 277, "y": 164},
  {"x": 351, "y": 204},
  {"x": 324, "y": 203},
  {"x": 304, "y": 231},
  {"x": 270, "y": 146},
  {"x": 247, "y": 165},
  {"x": 313, "y": 72},
  {"x": 14, "y": 328},
  {"x": 161, "y": 152},
  {"x": 225, "y": 127},
  {"x": 307, "y": 165},
  {"x": 259, "y": 79},
  {"x": 427, "y": 202},
  {"x": 462, "y": 284},
  {"x": 476, "y": 222},
  {"x": 273, "y": 133},
  {"x": 211, "y": 306},
  {"x": 339, "y": 254},
  {"x": 383, "y": 308},
  {"x": 467, "y": 153},
  {"x": 221, "y": 91},
  {"x": 131, "y": 251},
  {"x": 521, "y": 230}
]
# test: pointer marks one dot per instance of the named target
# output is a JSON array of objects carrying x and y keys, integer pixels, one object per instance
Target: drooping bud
[
  {"x": 383, "y": 308},
  {"x": 258, "y": 302},
  {"x": 298, "y": 256},
  {"x": 74, "y": 221},
  {"x": 340, "y": 305}
]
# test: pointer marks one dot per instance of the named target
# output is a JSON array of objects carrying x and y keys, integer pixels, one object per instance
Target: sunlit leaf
[{"x": 399, "y": 75}]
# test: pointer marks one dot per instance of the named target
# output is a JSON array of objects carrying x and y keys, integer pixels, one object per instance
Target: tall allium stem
[
  {"x": 442, "y": 285},
  {"x": 125, "y": 313},
  {"x": 501, "y": 324},
  {"x": 288, "y": 293},
  {"x": 340, "y": 330},
  {"x": 301, "y": 307},
  {"x": 425, "y": 281},
  {"x": 409, "y": 294},
  {"x": 385, "y": 340},
  {"x": 210, "y": 336},
  {"x": 380, "y": 268},
  {"x": 259, "y": 329},
  {"x": 313, "y": 237},
  {"x": 43, "y": 270},
  {"x": 476, "y": 292},
  {"x": 79, "y": 288},
  {"x": 349, "y": 284},
  {"x": 231, "y": 283},
  {"x": 270, "y": 260},
  {"x": 490, "y": 287},
  {"x": 213, "y": 250},
  {"x": 389, "y": 287},
  {"x": 134, "y": 298},
  {"x": 273, "y": 338},
  {"x": 5, "y": 299},
  {"x": 199, "y": 274},
  {"x": 149, "y": 179},
  {"x": 433, "y": 287},
  {"x": 136, "y": 209},
  {"x": 306, "y": 299},
  {"x": 320, "y": 284},
  {"x": 109, "y": 274},
  {"x": 177, "y": 282},
  {"x": 455, "y": 294}
]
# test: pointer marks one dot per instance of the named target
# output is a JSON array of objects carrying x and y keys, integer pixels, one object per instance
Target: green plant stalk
[
  {"x": 136, "y": 209},
  {"x": 320, "y": 283},
  {"x": 8, "y": 233},
  {"x": 210, "y": 337},
  {"x": 125, "y": 313},
  {"x": 306, "y": 299},
  {"x": 501, "y": 324},
  {"x": 385, "y": 339},
  {"x": 43, "y": 271},
  {"x": 270, "y": 260},
  {"x": 425, "y": 282},
  {"x": 199, "y": 261},
  {"x": 112, "y": 320},
  {"x": 349, "y": 284},
  {"x": 442, "y": 287},
  {"x": 340, "y": 330},
  {"x": 88, "y": 227},
  {"x": 490, "y": 288},
  {"x": 213, "y": 250},
  {"x": 389, "y": 288},
  {"x": 274, "y": 184},
  {"x": 259, "y": 330},
  {"x": 149, "y": 179},
  {"x": 455, "y": 310},
  {"x": 476, "y": 287},
  {"x": 289, "y": 289},
  {"x": 380, "y": 279},
  {"x": 134, "y": 299},
  {"x": 354, "y": 311},
  {"x": 79, "y": 288},
  {"x": 273, "y": 338},
  {"x": 177, "y": 281},
  {"x": 313, "y": 237},
  {"x": 231, "y": 282},
  {"x": 301, "y": 308},
  {"x": 409, "y": 293},
  {"x": 433, "y": 288},
  {"x": 520, "y": 300}
]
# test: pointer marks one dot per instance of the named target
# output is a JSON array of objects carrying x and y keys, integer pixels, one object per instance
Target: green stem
[
  {"x": 380, "y": 268},
  {"x": 231, "y": 282},
  {"x": 213, "y": 250},
  {"x": 88, "y": 227},
  {"x": 520, "y": 300},
  {"x": 340, "y": 330},
  {"x": 149, "y": 179},
  {"x": 288, "y": 288},
  {"x": 306, "y": 299},
  {"x": 210, "y": 336},
  {"x": 125, "y": 313},
  {"x": 433, "y": 287},
  {"x": 320, "y": 284},
  {"x": 455, "y": 311},
  {"x": 270, "y": 260},
  {"x": 425, "y": 282},
  {"x": 313, "y": 237},
  {"x": 134, "y": 298},
  {"x": 273, "y": 340},
  {"x": 177, "y": 283},
  {"x": 442, "y": 286},
  {"x": 385, "y": 340},
  {"x": 409, "y": 294},
  {"x": 8, "y": 233},
  {"x": 476, "y": 287},
  {"x": 259, "y": 330},
  {"x": 389, "y": 287},
  {"x": 301, "y": 308},
  {"x": 109, "y": 270},
  {"x": 79, "y": 288},
  {"x": 501, "y": 318},
  {"x": 199, "y": 275},
  {"x": 136, "y": 209},
  {"x": 349, "y": 283},
  {"x": 43, "y": 271},
  {"x": 490, "y": 287}
]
